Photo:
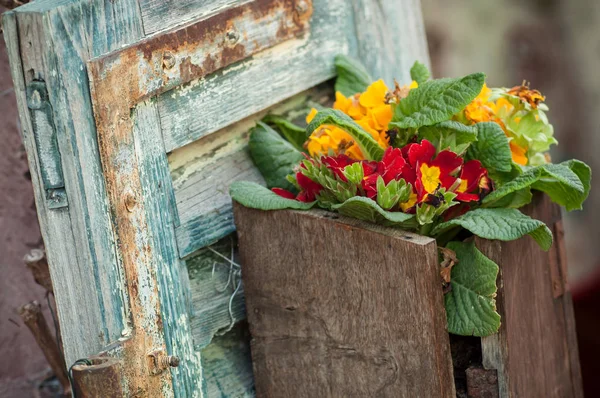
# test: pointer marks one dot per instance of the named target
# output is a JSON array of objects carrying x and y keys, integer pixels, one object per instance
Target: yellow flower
[
  {"x": 519, "y": 154},
  {"x": 412, "y": 200},
  {"x": 481, "y": 109},
  {"x": 369, "y": 109},
  {"x": 430, "y": 176}
]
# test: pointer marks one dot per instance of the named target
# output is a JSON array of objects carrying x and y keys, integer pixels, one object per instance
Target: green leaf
[
  {"x": 367, "y": 144},
  {"x": 500, "y": 224},
  {"x": 352, "y": 77},
  {"x": 419, "y": 73},
  {"x": 255, "y": 196},
  {"x": 514, "y": 200},
  {"x": 368, "y": 210},
  {"x": 435, "y": 101},
  {"x": 566, "y": 183},
  {"x": 492, "y": 148},
  {"x": 449, "y": 135},
  {"x": 295, "y": 135},
  {"x": 470, "y": 305},
  {"x": 273, "y": 156}
]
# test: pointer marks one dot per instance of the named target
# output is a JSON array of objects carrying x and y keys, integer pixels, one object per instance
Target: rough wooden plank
[
  {"x": 160, "y": 14},
  {"x": 227, "y": 366},
  {"x": 212, "y": 285},
  {"x": 391, "y": 37},
  {"x": 203, "y": 171},
  {"x": 536, "y": 343},
  {"x": 259, "y": 82},
  {"x": 78, "y": 239},
  {"x": 338, "y": 307},
  {"x": 387, "y": 36},
  {"x": 171, "y": 274}
]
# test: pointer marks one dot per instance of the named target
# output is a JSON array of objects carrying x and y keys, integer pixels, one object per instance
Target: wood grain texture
[
  {"x": 164, "y": 14},
  {"x": 227, "y": 366},
  {"x": 78, "y": 239},
  {"x": 164, "y": 262},
  {"x": 212, "y": 285},
  {"x": 202, "y": 172},
  {"x": 535, "y": 351},
  {"x": 338, "y": 307}
]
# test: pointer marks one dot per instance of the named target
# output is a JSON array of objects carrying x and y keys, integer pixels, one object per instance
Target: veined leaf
[
  {"x": 368, "y": 210},
  {"x": 352, "y": 77},
  {"x": 273, "y": 156},
  {"x": 419, "y": 73},
  {"x": 515, "y": 200},
  {"x": 449, "y": 135},
  {"x": 295, "y": 135},
  {"x": 566, "y": 183},
  {"x": 435, "y": 101},
  {"x": 492, "y": 148},
  {"x": 470, "y": 305},
  {"x": 367, "y": 144},
  {"x": 500, "y": 224},
  {"x": 255, "y": 196}
]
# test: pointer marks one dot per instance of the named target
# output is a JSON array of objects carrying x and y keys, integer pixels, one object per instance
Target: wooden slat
[
  {"x": 49, "y": 40},
  {"x": 261, "y": 81},
  {"x": 164, "y": 264},
  {"x": 338, "y": 307},
  {"x": 388, "y": 37},
  {"x": 212, "y": 287},
  {"x": 226, "y": 365},
  {"x": 203, "y": 171},
  {"x": 536, "y": 347},
  {"x": 164, "y": 14}
]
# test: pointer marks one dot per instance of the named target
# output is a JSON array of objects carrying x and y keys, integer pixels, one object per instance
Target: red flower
[
  {"x": 309, "y": 188},
  {"x": 432, "y": 172},
  {"x": 391, "y": 167},
  {"x": 471, "y": 175},
  {"x": 284, "y": 193},
  {"x": 337, "y": 164}
]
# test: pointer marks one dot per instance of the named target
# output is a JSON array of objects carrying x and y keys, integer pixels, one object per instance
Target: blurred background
[{"x": 554, "y": 44}]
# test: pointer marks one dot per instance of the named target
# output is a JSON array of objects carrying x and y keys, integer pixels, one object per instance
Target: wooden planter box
[{"x": 338, "y": 307}]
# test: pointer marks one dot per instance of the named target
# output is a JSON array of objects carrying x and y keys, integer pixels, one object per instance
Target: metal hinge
[{"x": 44, "y": 132}]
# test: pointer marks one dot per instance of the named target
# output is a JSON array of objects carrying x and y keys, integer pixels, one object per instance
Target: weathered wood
[
  {"x": 535, "y": 351},
  {"x": 161, "y": 258},
  {"x": 339, "y": 307},
  {"x": 226, "y": 365},
  {"x": 387, "y": 36},
  {"x": 212, "y": 286},
  {"x": 37, "y": 263},
  {"x": 32, "y": 316},
  {"x": 203, "y": 171},
  {"x": 50, "y": 41}
]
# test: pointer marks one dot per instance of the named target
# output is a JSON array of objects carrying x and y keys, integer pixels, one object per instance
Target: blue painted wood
[
  {"x": 55, "y": 40},
  {"x": 227, "y": 367},
  {"x": 171, "y": 274}
]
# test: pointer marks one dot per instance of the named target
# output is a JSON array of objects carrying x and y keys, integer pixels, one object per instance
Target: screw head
[
  {"x": 168, "y": 60},
  {"x": 301, "y": 7},
  {"x": 232, "y": 37}
]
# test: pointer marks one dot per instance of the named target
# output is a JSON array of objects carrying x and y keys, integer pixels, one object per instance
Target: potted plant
[{"x": 447, "y": 159}]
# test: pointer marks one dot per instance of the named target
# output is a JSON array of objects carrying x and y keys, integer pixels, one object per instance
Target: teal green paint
[{"x": 227, "y": 366}]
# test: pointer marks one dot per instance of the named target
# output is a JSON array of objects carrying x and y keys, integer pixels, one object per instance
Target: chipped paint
[{"x": 121, "y": 80}]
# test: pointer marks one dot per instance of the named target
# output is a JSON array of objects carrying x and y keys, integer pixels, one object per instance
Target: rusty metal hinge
[{"x": 46, "y": 143}]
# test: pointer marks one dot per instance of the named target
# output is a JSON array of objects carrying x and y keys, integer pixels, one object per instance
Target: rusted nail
[
  {"x": 159, "y": 361},
  {"x": 301, "y": 7},
  {"x": 168, "y": 60},
  {"x": 232, "y": 37},
  {"x": 169, "y": 361},
  {"x": 130, "y": 202}
]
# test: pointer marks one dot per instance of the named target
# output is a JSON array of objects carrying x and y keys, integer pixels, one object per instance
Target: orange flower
[
  {"x": 519, "y": 154},
  {"x": 480, "y": 109},
  {"x": 527, "y": 95}
]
